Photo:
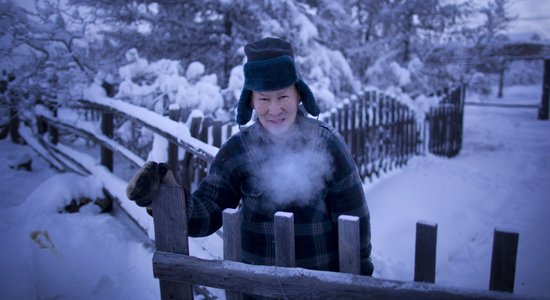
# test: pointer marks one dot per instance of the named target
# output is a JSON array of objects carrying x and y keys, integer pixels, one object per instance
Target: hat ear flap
[
  {"x": 244, "y": 109},
  {"x": 308, "y": 100}
]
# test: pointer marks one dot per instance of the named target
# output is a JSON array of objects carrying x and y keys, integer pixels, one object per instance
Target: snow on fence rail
[
  {"x": 173, "y": 131},
  {"x": 382, "y": 133}
]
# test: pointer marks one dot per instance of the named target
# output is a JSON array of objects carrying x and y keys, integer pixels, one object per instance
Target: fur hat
[{"x": 271, "y": 67}]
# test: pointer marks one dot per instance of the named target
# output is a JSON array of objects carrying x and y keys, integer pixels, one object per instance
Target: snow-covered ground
[{"x": 500, "y": 179}]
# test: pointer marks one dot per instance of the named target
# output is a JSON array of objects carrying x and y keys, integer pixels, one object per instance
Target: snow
[
  {"x": 155, "y": 120},
  {"x": 499, "y": 180},
  {"x": 146, "y": 84}
]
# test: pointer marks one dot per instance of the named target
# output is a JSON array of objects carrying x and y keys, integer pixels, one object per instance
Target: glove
[{"x": 145, "y": 184}]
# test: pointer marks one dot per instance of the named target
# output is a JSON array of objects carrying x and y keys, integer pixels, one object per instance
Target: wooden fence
[
  {"x": 177, "y": 271},
  {"x": 445, "y": 123},
  {"x": 382, "y": 134}
]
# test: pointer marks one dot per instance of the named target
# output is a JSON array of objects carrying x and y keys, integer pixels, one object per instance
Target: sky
[{"x": 499, "y": 180}]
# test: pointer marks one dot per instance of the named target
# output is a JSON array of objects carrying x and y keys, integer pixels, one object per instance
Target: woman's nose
[{"x": 275, "y": 108}]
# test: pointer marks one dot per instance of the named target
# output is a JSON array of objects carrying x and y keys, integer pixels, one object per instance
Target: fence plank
[
  {"x": 173, "y": 114},
  {"x": 361, "y": 127},
  {"x": 107, "y": 130},
  {"x": 204, "y": 136},
  {"x": 345, "y": 121},
  {"x": 503, "y": 263},
  {"x": 217, "y": 134},
  {"x": 354, "y": 138},
  {"x": 189, "y": 160},
  {"x": 349, "y": 244},
  {"x": 232, "y": 242},
  {"x": 285, "y": 254},
  {"x": 543, "y": 113},
  {"x": 170, "y": 221},
  {"x": 232, "y": 234},
  {"x": 425, "y": 252},
  {"x": 228, "y": 132},
  {"x": 13, "y": 124}
]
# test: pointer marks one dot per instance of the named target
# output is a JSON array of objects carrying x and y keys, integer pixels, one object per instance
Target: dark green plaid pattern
[{"x": 233, "y": 177}]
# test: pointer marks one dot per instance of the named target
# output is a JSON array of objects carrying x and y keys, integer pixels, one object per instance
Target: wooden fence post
[
  {"x": 170, "y": 221},
  {"x": 285, "y": 254},
  {"x": 340, "y": 120},
  {"x": 353, "y": 131},
  {"x": 174, "y": 115},
  {"x": 189, "y": 162},
  {"x": 217, "y": 134},
  {"x": 203, "y": 136},
  {"x": 232, "y": 242},
  {"x": 361, "y": 134},
  {"x": 333, "y": 118},
  {"x": 228, "y": 132},
  {"x": 503, "y": 262},
  {"x": 425, "y": 252},
  {"x": 54, "y": 133},
  {"x": 107, "y": 129},
  {"x": 545, "y": 101},
  {"x": 14, "y": 123},
  {"x": 345, "y": 120},
  {"x": 349, "y": 244}
]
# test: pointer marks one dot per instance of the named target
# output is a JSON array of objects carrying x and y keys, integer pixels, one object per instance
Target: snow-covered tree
[
  {"x": 47, "y": 45},
  {"x": 414, "y": 45},
  {"x": 403, "y": 34},
  {"x": 208, "y": 31}
]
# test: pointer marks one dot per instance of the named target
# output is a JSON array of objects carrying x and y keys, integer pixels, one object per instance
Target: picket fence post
[
  {"x": 107, "y": 130},
  {"x": 503, "y": 262},
  {"x": 285, "y": 253},
  {"x": 170, "y": 222},
  {"x": 349, "y": 244},
  {"x": 174, "y": 115},
  {"x": 425, "y": 252},
  {"x": 232, "y": 242}
]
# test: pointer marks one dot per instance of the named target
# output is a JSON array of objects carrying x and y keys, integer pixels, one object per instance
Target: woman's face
[{"x": 276, "y": 110}]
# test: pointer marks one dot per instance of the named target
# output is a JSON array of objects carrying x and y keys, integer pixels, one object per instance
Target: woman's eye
[{"x": 264, "y": 99}]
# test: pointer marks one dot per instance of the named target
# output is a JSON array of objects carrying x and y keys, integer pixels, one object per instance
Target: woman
[{"x": 285, "y": 161}]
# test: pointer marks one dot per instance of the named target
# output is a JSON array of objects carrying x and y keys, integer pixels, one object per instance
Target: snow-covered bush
[
  {"x": 386, "y": 73},
  {"x": 481, "y": 84},
  {"x": 157, "y": 85},
  {"x": 524, "y": 72}
]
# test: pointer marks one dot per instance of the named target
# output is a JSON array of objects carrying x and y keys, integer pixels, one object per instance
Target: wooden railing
[{"x": 381, "y": 132}]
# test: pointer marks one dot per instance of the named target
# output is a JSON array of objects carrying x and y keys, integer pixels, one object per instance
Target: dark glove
[{"x": 145, "y": 184}]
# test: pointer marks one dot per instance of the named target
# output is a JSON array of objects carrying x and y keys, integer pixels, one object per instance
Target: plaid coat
[{"x": 234, "y": 180}]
